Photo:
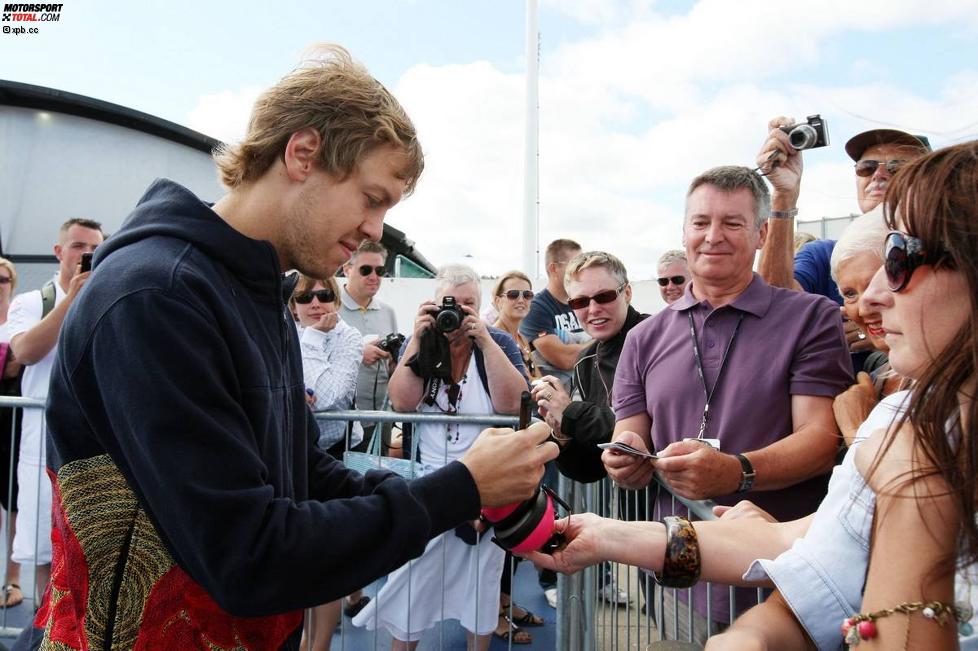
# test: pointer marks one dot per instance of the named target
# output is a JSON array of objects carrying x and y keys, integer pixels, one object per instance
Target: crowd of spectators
[{"x": 824, "y": 401}]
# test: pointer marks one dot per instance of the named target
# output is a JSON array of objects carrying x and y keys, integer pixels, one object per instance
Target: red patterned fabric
[{"x": 178, "y": 613}]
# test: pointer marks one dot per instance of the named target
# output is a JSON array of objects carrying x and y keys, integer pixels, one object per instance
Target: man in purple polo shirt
[{"x": 735, "y": 362}]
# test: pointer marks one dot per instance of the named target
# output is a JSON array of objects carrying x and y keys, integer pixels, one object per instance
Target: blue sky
[{"x": 636, "y": 96}]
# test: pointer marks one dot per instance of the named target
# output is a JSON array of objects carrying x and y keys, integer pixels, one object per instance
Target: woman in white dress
[{"x": 458, "y": 575}]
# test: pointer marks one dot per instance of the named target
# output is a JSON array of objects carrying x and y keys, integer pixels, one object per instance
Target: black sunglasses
[
  {"x": 902, "y": 254},
  {"x": 324, "y": 296},
  {"x": 513, "y": 294},
  {"x": 675, "y": 280},
  {"x": 366, "y": 269},
  {"x": 868, "y": 167},
  {"x": 601, "y": 298},
  {"x": 5, "y": 280}
]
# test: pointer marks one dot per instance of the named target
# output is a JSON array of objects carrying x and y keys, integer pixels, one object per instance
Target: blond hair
[
  {"x": 4, "y": 262},
  {"x": 589, "y": 259},
  {"x": 336, "y": 96},
  {"x": 497, "y": 290}
]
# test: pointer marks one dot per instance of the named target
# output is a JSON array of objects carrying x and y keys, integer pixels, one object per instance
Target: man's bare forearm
[
  {"x": 32, "y": 346},
  {"x": 777, "y": 263}
]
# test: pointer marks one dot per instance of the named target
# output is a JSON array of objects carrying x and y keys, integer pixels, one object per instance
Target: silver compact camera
[{"x": 812, "y": 133}]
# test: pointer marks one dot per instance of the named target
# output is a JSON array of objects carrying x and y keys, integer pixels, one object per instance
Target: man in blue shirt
[{"x": 878, "y": 153}]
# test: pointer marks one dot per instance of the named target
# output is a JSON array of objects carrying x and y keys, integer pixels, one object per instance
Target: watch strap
[
  {"x": 747, "y": 478},
  {"x": 784, "y": 214}
]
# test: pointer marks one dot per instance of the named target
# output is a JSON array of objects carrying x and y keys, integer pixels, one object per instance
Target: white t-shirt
[{"x": 24, "y": 314}]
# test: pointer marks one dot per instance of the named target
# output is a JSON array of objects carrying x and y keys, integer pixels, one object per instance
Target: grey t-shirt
[{"x": 377, "y": 320}]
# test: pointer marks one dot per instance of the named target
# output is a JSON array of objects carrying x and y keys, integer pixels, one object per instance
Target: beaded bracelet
[
  {"x": 681, "y": 565},
  {"x": 863, "y": 627}
]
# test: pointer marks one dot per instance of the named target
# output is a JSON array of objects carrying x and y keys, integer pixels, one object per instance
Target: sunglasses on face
[
  {"x": 513, "y": 294},
  {"x": 675, "y": 280},
  {"x": 600, "y": 298},
  {"x": 868, "y": 167},
  {"x": 366, "y": 270},
  {"x": 5, "y": 280},
  {"x": 902, "y": 254},
  {"x": 324, "y": 296}
]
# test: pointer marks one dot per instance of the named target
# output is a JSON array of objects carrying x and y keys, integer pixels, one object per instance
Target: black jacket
[
  {"x": 187, "y": 481},
  {"x": 589, "y": 419}
]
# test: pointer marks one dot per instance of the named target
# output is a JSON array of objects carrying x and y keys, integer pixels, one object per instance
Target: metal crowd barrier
[{"x": 586, "y": 620}]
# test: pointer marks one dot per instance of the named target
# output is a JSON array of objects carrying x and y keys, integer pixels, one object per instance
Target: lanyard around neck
[{"x": 709, "y": 393}]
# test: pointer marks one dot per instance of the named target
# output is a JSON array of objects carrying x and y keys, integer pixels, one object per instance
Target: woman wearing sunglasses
[
  {"x": 511, "y": 298},
  {"x": 875, "y": 564},
  {"x": 331, "y": 352}
]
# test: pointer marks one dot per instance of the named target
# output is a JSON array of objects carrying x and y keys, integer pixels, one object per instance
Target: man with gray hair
[
  {"x": 673, "y": 275},
  {"x": 737, "y": 376}
]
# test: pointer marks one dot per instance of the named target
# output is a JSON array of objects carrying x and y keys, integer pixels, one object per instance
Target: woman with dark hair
[
  {"x": 331, "y": 352},
  {"x": 875, "y": 565}
]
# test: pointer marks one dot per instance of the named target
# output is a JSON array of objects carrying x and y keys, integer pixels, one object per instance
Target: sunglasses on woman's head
[
  {"x": 675, "y": 280},
  {"x": 869, "y": 166},
  {"x": 601, "y": 298},
  {"x": 324, "y": 296},
  {"x": 513, "y": 294},
  {"x": 366, "y": 269},
  {"x": 902, "y": 254}
]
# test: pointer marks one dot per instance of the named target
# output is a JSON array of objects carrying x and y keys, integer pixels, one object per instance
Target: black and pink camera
[{"x": 527, "y": 526}]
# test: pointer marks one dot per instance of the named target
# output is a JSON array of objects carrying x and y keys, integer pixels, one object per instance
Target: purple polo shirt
[{"x": 789, "y": 343}]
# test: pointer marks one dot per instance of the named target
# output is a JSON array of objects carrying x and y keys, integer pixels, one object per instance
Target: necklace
[{"x": 454, "y": 394}]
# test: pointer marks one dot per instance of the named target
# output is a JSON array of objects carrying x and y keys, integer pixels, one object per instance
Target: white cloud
[
  {"x": 631, "y": 114},
  {"x": 224, "y": 115}
]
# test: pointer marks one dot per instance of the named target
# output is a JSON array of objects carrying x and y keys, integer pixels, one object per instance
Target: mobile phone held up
[{"x": 86, "y": 262}]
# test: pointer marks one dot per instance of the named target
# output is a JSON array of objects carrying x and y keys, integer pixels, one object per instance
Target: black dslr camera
[
  {"x": 391, "y": 343},
  {"x": 810, "y": 134},
  {"x": 449, "y": 316}
]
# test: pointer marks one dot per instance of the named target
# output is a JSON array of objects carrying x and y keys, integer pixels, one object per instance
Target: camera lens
[
  {"x": 803, "y": 137},
  {"x": 448, "y": 320}
]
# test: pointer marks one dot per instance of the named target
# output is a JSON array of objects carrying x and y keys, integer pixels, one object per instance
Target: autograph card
[{"x": 624, "y": 448}]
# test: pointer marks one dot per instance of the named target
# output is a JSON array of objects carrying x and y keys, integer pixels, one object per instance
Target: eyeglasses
[
  {"x": 600, "y": 298},
  {"x": 366, "y": 269},
  {"x": 902, "y": 254},
  {"x": 675, "y": 280},
  {"x": 869, "y": 166},
  {"x": 324, "y": 296},
  {"x": 513, "y": 294},
  {"x": 5, "y": 280}
]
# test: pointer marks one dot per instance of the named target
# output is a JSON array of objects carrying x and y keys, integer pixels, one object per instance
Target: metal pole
[{"x": 532, "y": 140}]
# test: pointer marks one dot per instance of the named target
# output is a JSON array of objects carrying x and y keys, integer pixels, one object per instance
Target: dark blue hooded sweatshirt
[{"x": 191, "y": 504}]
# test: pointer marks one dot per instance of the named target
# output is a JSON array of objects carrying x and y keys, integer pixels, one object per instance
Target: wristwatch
[
  {"x": 784, "y": 214},
  {"x": 747, "y": 479}
]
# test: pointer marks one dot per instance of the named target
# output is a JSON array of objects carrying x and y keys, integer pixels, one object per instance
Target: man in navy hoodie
[{"x": 192, "y": 509}]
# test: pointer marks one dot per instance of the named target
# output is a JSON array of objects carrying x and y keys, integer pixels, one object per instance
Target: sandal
[
  {"x": 352, "y": 610},
  {"x": 513, "y": 634},
  {"x": 12, "y": 595},
  {"x": 527, "y": 619}
]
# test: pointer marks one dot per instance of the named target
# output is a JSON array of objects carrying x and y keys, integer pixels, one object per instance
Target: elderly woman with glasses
[
  {"x": 856, "y": 257},
  {"x": 452, "y": 364},
  {"x": 875, "y": 565}
]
